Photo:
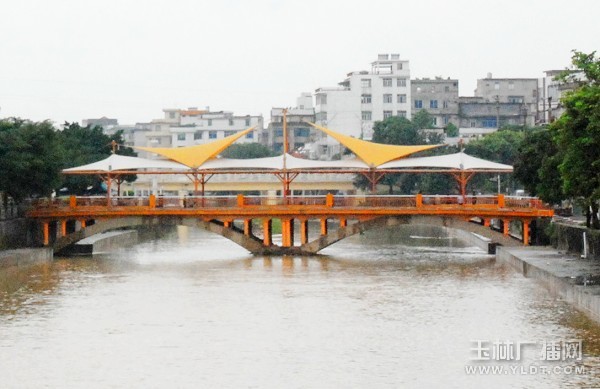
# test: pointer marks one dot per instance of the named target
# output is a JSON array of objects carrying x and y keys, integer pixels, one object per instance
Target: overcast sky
[{"x": 67, "y": 60}]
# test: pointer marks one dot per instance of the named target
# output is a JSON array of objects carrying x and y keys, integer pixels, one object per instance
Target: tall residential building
[
  {"x": 551, "y": 91},
  {"x": 104, "y": 122},
  {"x": 299, "y": 132},
  {"x": 365, "y": 97},
  {"x": 439, "y": 97},
  {"x": 517, "y": 91}
]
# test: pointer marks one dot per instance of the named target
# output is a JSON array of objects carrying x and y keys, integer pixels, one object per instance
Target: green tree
[
  {"x": 536, "y": 166},
  {"x": 501, "y": 146},
  {"x": 451, "y": 130},
  {"x": 30, "y": 158},
  {"x": 577, "y": 134},
  {"x": 247, "y": 150},
  {"x": 83, "y": 145}
]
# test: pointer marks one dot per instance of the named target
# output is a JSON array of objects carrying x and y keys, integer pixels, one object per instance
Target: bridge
[{"x": 248, "y": 220}]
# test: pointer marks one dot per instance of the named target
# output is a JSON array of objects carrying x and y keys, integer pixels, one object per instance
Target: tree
[
  {"x": 247, "y": 150},
  {"x": 30, "y": 158},
  {"x": 83, "y": 145},
  {"x": 451, "y": 131},
  {"x": 536, "y": 166},
  {"x": 577, "y": 134}
]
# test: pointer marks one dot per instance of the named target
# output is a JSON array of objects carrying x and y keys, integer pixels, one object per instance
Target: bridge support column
[
  {"x": 46, "y": 231},
  {"x": 486, "y": 222},
  {"x": 287, "y": 232},
  {"x": 63, "y": 228},
  {"x": 343, "y": 222},
  {"x": 82, "y": 223},
  {"x": 248, "y": 227},
  {"x": 303, "y": 231},
  {"x": 324, "y": 227},
  {"x": 227, "y": 223},
  {"x": 526, "y": 232},
  {"x": 505, "y": 225},
  {"x": 267, "y": 232}
]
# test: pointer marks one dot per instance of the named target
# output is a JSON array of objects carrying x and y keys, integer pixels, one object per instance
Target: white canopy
[
  {"x": 120, "y": 162},
  {"x": 458, "y": 161},
  {"x": 276, "y": 163}
]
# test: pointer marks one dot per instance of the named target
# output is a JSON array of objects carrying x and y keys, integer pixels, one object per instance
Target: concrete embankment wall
[
  {"x": 25, "y": 257},
  {"x": 104, "y": 242},
  {"x": 17, "y": 233},
  {"x": 571, "y": 239},
  {"x": 473, "y": 239},
  {"x": 558, "y": 274}
]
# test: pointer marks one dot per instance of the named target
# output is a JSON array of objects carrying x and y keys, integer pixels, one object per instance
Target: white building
[
  {"x": 365, "y": 97},
  {"x": 196, "y": 127}
]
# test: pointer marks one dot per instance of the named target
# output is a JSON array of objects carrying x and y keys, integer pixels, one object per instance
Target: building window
[
  {"x": 365, "y": 82},
  {"x": 434, "y": 121},
  {"x": 418, "y": 103},
  {"x": 210, "y": 122},
  {"x": 497, "y": 85},
  {"x": 366, "y": 115},
  {"x": 445, "y": 104},
  {"x": 212, "y": 135},
  {"x": 402, "y": 114},
  {"x": 171, "y": 115},
  {"x": 433, "y": 104},
  {"x": 401, "y": 98},
  {"x": 181, "y": 136},
  {"x": 446, "y": 120},
  {"x": 511, "y": 85},
  {"x": 322, "y": 99},
  {"x": 490, "y": 122},
  {"x": 229, "y": 133},
  {"x": 279, "y": 132},
  {"x": 387, "y": 82},
  {"x": 247, "y": 122},
  {"x": 231, "y": 122},
  {"x": 301, "y": 132},
  {"x": 401, "y": 82},
  {"x": 387, "y": 114},
  {"x": 250, "y": 135},
  {"x": 387, "y": 99},
  {"x": 446, "y": 89},
  {"x": 321, "y": 116},
  {"x": 365, "y": 99},
  {"x": 399, "y": 66},
  {"x": 197, "y": 135},
  {"x": 516, "y": 99}
]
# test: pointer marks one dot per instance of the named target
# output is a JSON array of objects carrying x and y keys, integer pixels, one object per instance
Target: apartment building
[
  {"x": 439, "y": 96},
  {"x": 299, "y": 131},
  {"x": 364, "y": 97}
]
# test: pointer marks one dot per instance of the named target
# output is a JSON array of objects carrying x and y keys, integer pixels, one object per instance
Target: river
[{"x": 409, "y": 308}]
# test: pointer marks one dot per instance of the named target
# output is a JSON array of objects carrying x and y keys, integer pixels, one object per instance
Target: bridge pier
[
  {"x": 267, "y": 232},
  {"x": 287, "y": 232},
  {"x": 303, "y": 231},
  {"x": 248, "y": 227},
  {"x": 526, "y": 232},
  {"x": 324, "y": 227}
]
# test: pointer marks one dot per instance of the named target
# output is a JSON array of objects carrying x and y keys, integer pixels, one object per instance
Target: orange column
[
  {"x": 227, "y": 223},
  {"x": 486, "y": 222},
  {"x": 83, "y": 223},
  {"x": 240, "y": 200},
  {"x": 343, "y": 222},
  {"x": 419, "y": 200},
  {"x": 303, "y": 231},
  {"x": 267, "y": 232},
  {"x": 287, "y": 232},
  {"x": 63, "y": 228},
  {"x": 152, "y": 201},
  {"x": 500, "y": 201},
  {"x": 72, "y": 201},
  {"x": 526, "y": 232},
  {"x": 329, "y": 200},
  {"x": 248, "y": 227},
  {"x": 324, "y": 227},
  {"x": 46, "y": 230},
  {"x": 506, "y": 224}
]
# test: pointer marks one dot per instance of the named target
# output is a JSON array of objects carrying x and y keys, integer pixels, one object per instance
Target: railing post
[
  {"x": 329, "y": 200},
  {"x": 72, "y": 201},
  {"x": 419, "y": 200},
  {"x": 152, "y": 201},
  {"x": 500, "y": 200},
  {"x": 240, "y": 200}
]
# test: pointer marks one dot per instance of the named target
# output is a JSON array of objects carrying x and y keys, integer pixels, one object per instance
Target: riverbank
[
  {"x": 567, "y": 276},
  {"x": 25, "y": 257}
]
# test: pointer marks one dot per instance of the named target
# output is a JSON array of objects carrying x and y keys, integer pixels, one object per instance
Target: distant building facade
[
  {"x": 439, "y": 97},
  {"x": 365, "y": 97},
  {"x": 104, "y": 122},
  {"x": 299, "y": 131}
]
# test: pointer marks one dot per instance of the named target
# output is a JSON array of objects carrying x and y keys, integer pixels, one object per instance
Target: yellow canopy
[
  {"x": 374, "y": 154},
  {"x": 195, "y": 156}
]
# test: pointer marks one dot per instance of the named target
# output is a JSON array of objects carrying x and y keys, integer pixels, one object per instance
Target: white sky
[{"x": 67, "y": 60}]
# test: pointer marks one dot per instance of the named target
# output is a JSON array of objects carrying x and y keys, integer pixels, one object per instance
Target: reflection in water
[{"x": 396, "y": 308}]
